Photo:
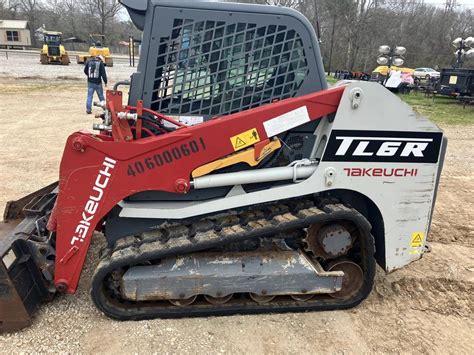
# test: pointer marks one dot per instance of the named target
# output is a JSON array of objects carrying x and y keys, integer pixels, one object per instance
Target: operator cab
[{"x": 53, "y": 41}]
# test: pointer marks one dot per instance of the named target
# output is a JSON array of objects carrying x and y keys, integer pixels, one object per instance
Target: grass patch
[
  {"x": 331, "y": 80},
  {"x": 443, "y": 110}
]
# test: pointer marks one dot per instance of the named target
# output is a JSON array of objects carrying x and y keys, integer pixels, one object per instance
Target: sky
[{"x": 461, "y": 4}]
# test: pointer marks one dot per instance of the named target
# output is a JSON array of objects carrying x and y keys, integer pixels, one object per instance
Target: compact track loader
[
  {"x": 232, "y": 181},
  {"x": 97, "y": 47},
  {"x": 53, "y": 51}
]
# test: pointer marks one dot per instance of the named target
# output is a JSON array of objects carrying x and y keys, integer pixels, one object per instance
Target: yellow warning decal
[
  {"x": 417, "y": 239},
  {"x": 245, "y": 139}
]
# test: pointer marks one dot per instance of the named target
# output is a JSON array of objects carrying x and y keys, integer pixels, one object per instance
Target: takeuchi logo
[{"x": 92, "y": 205}]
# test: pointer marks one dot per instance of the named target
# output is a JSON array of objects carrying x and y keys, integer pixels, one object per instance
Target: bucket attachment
[{"x": 26, "y": 258}]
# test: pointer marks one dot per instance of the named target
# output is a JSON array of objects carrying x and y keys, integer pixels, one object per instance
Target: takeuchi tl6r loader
[{"x": 233, "y": 180}]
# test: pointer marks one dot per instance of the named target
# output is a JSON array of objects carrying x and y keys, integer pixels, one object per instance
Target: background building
[{"x": 15, "y": 33}]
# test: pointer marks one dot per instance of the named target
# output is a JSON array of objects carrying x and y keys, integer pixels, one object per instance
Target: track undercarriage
[{"x": 254, "y": 254}]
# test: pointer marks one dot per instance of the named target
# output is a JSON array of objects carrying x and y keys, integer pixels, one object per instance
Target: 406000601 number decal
[{"x": 166, "y": 156}]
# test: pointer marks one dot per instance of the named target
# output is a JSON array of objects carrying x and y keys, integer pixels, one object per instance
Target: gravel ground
[
  {"x": 426, "y": 307},
  {"x": 26, "y": 65}
]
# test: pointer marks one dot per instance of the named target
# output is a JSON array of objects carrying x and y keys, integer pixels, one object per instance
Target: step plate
[{"x": 219, "y": 275}]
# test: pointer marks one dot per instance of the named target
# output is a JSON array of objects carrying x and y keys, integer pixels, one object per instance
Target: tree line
[
  {"x": 350, "y": 31},
  {"x": 74, "y": 19}
]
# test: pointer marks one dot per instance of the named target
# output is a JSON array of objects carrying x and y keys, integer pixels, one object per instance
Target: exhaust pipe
[{"x": 25, "y": 263}]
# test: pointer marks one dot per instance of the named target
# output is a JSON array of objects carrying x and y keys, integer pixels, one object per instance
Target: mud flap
[{"x": 22, "y": 285}]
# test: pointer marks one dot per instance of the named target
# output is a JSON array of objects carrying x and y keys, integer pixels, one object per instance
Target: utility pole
[
  {"x": 316, "y": 17},
  {"x": 331, "y": 46}
]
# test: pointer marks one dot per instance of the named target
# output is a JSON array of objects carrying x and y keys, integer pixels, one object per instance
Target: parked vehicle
[
  {"x": 53, "y": 51},
  {"x": 456, "y": 82},
  {"x": 426, "y": 73},
  {"x": 97, "y": 47},
  {"x": 351, "y": 75},
  {"x": 400, "y": 79}
]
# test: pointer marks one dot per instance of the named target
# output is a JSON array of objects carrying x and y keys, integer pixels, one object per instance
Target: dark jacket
[{"x": 95, "y": 71}]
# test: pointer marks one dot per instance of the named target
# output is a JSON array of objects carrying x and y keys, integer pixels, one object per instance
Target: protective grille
[
  {"x": 213, "y": 68},
  {"x": 53, "y": 50}
]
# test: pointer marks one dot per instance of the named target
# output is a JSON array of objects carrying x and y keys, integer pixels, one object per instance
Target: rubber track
[{"x": 211, "y": 232}]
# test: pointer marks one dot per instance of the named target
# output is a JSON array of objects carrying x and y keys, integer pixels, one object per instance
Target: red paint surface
[{"x": 80, "y": 167}]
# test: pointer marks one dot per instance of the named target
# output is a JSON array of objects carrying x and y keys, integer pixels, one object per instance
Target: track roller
[
  {"x": 261, "y": 298},
  {"x": 302, "y": 298},
  {"x": 218, "y": 300},
  {"x": 184, "y": 301}
]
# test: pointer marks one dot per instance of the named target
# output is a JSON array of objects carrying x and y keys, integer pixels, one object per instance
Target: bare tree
[
  {"x": 30, "y": 9},
  {"x": 286, "y": 3},
  {"x": 333, "y": 9},
  {"x": 9, "y": 9},
  {"x": 351, "y": 30},
  {"x": 103, "y": 11}
]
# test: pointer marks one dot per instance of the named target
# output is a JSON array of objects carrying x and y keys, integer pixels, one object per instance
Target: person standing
[{"x": 95, "y": 72}]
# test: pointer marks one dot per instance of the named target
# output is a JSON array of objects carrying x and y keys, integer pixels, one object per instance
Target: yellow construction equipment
[
  {"x": 97, "y": 47},
  {"x": 53, "y": 51}
]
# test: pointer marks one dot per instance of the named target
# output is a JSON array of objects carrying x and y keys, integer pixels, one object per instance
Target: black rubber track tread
[{"x": 176, "y": 240}]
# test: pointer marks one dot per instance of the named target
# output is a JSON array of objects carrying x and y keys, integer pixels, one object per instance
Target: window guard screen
[{"x": 212, "y": 67}]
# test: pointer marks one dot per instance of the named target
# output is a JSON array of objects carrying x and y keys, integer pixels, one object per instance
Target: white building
[{"x": 15, "y": 33}]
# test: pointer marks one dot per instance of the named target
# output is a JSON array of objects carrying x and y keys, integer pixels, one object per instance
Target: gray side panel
[
  {"x": 208, "y": 59},
  {"x": 405, "y": 202}
]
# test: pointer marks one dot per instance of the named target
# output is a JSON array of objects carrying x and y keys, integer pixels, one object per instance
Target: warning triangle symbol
[
  {"x": 417, "y": 238},
  {"x": 239, "y": 143}
]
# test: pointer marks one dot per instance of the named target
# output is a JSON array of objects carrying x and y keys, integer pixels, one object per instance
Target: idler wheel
[{"x": 352, "y": 280}]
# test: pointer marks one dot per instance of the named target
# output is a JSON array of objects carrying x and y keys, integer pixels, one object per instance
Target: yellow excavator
[
  {"x": 97, "y": 47},
  {"x": 53, "y": 51}
]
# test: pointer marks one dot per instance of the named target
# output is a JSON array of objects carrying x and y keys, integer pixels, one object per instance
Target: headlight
[
  {"x": 384, "y": 49},
  {"x": 469, "y": 41},
  {"x": 382, "y": 60},
  {"x": 400, "y": 50},
  {"x": 470, "y": 53},
  {"x": 457, "y": 42},
  {"x": 398, "y": 62}
]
